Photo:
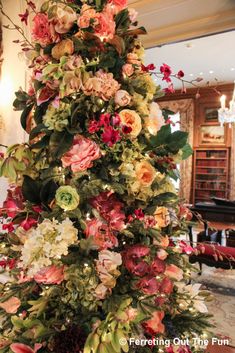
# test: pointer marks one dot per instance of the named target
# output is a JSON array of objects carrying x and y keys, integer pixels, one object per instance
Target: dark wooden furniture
[
  {"x": 210, "y": 174},
  {"x": 212, "y": 212}
]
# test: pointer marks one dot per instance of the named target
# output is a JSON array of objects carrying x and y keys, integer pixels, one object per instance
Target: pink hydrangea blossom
[{"x": 81, "y": 155}]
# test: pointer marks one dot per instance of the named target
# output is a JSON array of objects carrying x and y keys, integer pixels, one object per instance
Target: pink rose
[
  {"x": 103, "y": 237},
  {"x": 11, "y": 305},
  {"x": 157, "y": 266},
  {"x": 166, "y": 286},
  {"x": 120, "y": 4},
  {"x": 174, "y": 272},
  {"x": 127, "y": 70},
  {"x": 80, "y": 157},
  {"x": 122, "y": 98},
  {"x": 87, "y": 13},
  {"x": 22, "y": 348},
  {"x": 104, "y": 25},
  {"x": 64, "y": 18},
  {"x": 50, "y": 275},
  {"x": 162, "y": 254},
  {"x": 148, "y": 285},
  {"x": 42, "y": 31}
]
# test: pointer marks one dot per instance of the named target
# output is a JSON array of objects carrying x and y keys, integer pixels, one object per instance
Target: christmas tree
[{"x": 90, "y": 260}]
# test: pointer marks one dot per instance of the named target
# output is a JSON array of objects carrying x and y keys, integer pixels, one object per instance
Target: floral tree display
[{"x": 89, "y": 249}]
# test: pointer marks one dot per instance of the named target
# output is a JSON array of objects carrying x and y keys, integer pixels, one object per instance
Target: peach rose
[
  {"x": 11, "y": 305},
  {"x": 155, "y": 120},
  {"x": 155, "y": 325},
  {"x": 64, "y": 18},
  {"x": 133, "y": 59},
  {"x": 50, "y": 275},
  {"x": 127, "y": 70},
  {"x": 162, "y": 254},
  {"x": 65, "y": 47},
  {"x": 81, "y": 155},
  {"x": 162, "y": 216},
  {"x": 122, "y": 98},
  {"x": 87, "y": 13},
  {"x": 174, "y": 272},
  {"x": 145, "y": 173},
  {"x": 131, "y": 119}
]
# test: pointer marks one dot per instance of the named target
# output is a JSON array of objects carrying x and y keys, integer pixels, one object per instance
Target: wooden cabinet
[{"x": 210, "y": 174}]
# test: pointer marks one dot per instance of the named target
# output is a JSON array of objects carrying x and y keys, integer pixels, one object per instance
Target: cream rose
[
  {"x": 122, "y": 98},
  {"x": 131, "y": 119},
  {"x": 127, "y": 70},
  {"x": 155, "y": 120},
  {"x": 145, "y": 173},
  {"x": 162, "y": 216},
  {"x": 64, "y": 18}
]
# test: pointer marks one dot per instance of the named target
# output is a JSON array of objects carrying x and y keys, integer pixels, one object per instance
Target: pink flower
[
  {"x": 169, "y": 89},
  {"x": 44, "y": 94},
  {"x": 81, "y": 155},
  {"x": 87, "y": 13},
  {"x": 155, "y": 120},
  {"x": 155, "y": 325},
  {"x": 122, "y": 98},
  {"x": 166, "y": 286},
  {"x": 28, "y": 223},
  {"x": 148, "y": 285},
  {"x": 93, "y": 126},
  {"x": 41, "y": 30},
  {"x": 11, "y": 305},
  {"x": 110, "y": 136},
  {"x": 186, "y": 248},
  {"x": 103, "y": 237},
  {"x": 105, "y": 119},
  {"x": 102, "y": 85},
  {"x": 50, "y": 275},
  {"x": 162, "y": 254},
  {"x": 141, "y": 269},
  {"x": 22, "y": 348},
  {"x": 139, "y": 213},
  {"x": 174, "y": 272},
  {"x": 8, "y": 226},
  {"x": 180, "y": 74},
  {"x": 137, "y": 251},
  {"x": 101, "y": 291},
  {"x": 64, "y": 18},
  {"x": 104, "y": 25},
  {"x": 13, "y": 202},
  {"x": 132, "y": 14},
  {"x": 127, "y": 70},
  {"x": 157, "y": 266},
  {"x": 121, "y": 4},
  {"x": 166, "y": 71},
  {"x": 148, "y": 68}
]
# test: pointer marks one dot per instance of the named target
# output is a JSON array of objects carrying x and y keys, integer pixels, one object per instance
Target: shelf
[
  {"x": 211, "y": 158},
  {"x": 204, "y": 167},
  {"x": 210, "y": 181},
  {"x": 210, "y": 174},
  {"x": 207, "y": 189}
]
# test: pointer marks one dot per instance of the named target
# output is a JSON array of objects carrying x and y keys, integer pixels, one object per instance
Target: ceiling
[
  {"x": 169, "y": 21},
  {"x": 212, "y": 58}
]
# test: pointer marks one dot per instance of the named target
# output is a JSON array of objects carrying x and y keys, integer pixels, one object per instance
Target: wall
[{"x": 13, "y": 76}]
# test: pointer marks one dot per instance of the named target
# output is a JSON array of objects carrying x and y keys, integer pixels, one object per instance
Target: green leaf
[
  {"x": 42, "y": 143},
  {"x": 177, "y": 140},
  {"x": 161, "y": 138},
  {"x": 60, "y": 142},
  {"x": 48, "y": 190},
  {"x": 37, "y": 130},
  {"x": 31, "y": 190},
  {"x": 187, "y": 151}
]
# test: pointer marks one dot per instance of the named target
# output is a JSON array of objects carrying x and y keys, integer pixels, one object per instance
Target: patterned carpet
[{"x": 222, "y": 285}]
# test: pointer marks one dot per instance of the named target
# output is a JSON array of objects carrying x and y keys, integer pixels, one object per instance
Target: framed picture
[
  {"x": 211, "y": 115},
  {"x": 212, "y": 135}
]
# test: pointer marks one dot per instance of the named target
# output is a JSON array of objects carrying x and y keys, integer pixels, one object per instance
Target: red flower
[
  {"x": 105, "y": 119},
  {"x": 116, "y": 120},
  {"x": 139, "y": 213},
  {"x": 28, "y": 223},
  {"x": 24, "y": 17},
  {"x": 166, "y": 71},
  {"x": 148, "y": 68},
  {"x": 180, "y": 74},
  {"x": 141, "y": 269},
  {"x": 9, "y": 227},
  {"x": 148, "y": 285},
  {"x": 110, "y": 136},
  {"x": 169, "y": 89},
  {"x": 126, "y": 129},
  {"x": 93, "y": 126},
  {"x": 155, "y": 325},
  {"x": 137, "y": 251},
  {"x": 22, "y": 348},
  {"x": 103, "y": 237},
  {"x": 37, "y": 209},
  {"x": 44, "y": 95},
  {"x": 10, "y": 263},
  {"x": 157, "y": 266}
]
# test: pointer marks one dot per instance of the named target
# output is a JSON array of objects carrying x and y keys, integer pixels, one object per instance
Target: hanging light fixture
[{"x": 227, "y": 115}]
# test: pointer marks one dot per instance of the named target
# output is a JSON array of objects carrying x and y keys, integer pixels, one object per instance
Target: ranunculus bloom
[
  {"x": 127, "y": 70},
  {"x": 22, "y": 348},
  {"x": 64, "y": 18},
  {"x": 162, "y": 216},
  {"x": 155, "y": 120},
  {"x": 65, "y": 47},
  {"x": 42, "y": 30},
  {"x": 50, "y": 275},
  {"x": 122, "y": 98},
  {"x": 155, "y": 325},
  {"x": 145, "y": 173},
  {"x": 166, "y": 286},
  {"x": 174, "y": 272},
  {"x": 157, "y": 266},
  {"x": 103, "y": 237},
  {"x": 131, "y": 119},
  {"x": 67, "y": 198},
  {"x": 11, "y": 305},
  {"x": 82, "y": 154},
  {"x": 86, "y": 14},
  {"x": 148, "y": 285}
]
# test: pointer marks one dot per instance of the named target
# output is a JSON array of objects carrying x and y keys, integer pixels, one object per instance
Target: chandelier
[{"x": 227, "y": 115}]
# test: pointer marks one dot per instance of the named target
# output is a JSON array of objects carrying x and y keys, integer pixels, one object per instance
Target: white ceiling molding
[{"x": 169, "y": 21}]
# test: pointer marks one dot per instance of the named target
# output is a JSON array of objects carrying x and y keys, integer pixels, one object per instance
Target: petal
[{"x": 21, "y": 348}]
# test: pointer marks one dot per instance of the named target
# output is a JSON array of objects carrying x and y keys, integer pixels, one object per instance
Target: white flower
[{"x": 193, "y": 290}]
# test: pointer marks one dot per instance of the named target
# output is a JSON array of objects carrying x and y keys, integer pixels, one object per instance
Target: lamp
[{"x": 227, "y": 115}]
